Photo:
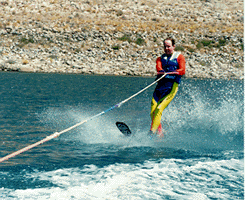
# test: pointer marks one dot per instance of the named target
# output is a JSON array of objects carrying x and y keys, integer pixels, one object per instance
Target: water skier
[{"x": 174, "y": 62}]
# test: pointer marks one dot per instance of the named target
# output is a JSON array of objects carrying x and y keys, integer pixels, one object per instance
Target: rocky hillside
[{"x": 121, "y": 37}]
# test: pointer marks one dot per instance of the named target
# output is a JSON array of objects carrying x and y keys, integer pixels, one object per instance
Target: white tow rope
[{"x": 56, "y": 134}]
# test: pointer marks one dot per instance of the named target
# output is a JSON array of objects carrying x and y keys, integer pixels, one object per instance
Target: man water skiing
[{"x": 171, "y": 62}]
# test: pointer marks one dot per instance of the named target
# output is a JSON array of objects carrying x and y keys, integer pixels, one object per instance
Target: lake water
[{"x": 201, "y": 156}]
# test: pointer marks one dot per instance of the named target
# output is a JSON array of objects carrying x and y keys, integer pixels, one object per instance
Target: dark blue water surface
[{"x": 200, "y": 157}]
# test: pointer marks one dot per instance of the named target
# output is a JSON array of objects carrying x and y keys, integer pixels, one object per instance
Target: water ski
[{"x": 123, "y": 128}]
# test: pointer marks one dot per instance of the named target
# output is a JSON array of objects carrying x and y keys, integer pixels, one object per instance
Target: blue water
[{"x": 201, "y": 156}]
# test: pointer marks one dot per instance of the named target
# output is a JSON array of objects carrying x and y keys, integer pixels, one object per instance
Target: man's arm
[
  {"x": 159, "y": 64},
  {"x": 181, "y": 62}
]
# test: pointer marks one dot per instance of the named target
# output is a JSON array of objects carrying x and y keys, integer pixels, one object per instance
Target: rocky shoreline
[{"x": 121, "y": 37}]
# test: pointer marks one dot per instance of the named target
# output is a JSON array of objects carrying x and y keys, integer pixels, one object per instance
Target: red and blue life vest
[
  {"x": 170, "y": 64},
  {"x": 164, "y": 86}
]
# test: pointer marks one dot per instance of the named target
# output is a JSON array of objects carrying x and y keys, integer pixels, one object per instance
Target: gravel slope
[{"x": 121, "y": 37}]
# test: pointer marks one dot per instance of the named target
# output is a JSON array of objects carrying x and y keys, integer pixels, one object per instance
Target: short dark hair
[{"x": 171, "y": 39}]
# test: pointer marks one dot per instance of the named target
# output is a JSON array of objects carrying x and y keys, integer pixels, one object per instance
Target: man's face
[{"x": 168, "y": 47}]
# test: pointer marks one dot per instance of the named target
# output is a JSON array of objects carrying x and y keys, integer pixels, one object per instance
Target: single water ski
[{"x": 123, "y": 128}]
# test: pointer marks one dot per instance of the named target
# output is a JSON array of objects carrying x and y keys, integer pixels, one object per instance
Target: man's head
[{"x": 169, "y": 45}]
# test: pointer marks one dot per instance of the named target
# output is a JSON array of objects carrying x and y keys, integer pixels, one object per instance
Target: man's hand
[{"x": 163, "y": 72}]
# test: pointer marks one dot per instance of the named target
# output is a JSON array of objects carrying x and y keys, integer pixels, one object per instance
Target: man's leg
[{"x": 158, "y": 107}]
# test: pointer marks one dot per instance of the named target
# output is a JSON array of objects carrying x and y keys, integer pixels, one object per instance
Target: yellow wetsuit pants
[{"x": 158, "y": 107}]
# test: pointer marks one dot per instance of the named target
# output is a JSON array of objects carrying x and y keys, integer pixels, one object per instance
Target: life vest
[{"x": 170, "y": 64}]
